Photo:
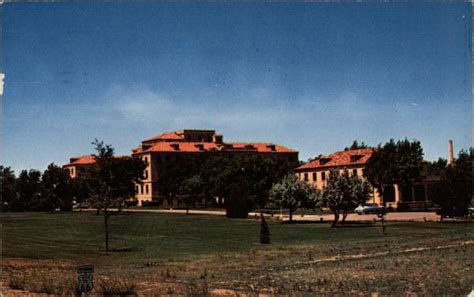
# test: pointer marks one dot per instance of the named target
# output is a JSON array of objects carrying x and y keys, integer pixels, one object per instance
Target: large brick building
[
  {"x": 185, "y": 143},
  {"x": 78, "y": 165},
  {"x": 316, "y": 173}
]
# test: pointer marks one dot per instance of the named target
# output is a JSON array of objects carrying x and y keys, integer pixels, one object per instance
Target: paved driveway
[{"x": 391, "y": 216}]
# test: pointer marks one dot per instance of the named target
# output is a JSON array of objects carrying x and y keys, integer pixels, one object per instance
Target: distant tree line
[
  {"x": 453, "y": 191},
  {"x": 245, "y": 182},
  {"x": 108, "y": 182},
  {"x": 35, "y": 191}
]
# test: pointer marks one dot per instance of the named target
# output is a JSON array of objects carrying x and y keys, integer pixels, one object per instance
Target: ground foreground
[{"x": 176, "y": 254}]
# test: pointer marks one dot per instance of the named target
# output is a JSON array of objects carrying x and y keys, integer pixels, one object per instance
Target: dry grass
[
  {"x": 117, "y": 287},
  {"x": 17, "y": 282}
]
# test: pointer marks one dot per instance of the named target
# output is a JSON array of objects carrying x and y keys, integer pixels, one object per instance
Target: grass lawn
[{"x": 185, "y": 254}]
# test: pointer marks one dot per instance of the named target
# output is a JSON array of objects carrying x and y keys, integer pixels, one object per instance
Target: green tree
[
  {"x": 231, "y": 179},
  {"x": 395, "y": 163},
  {"x": 7, "y": 187},
  {"x": 111, "y": 180},
  {"x": 356, "y": 145},
  {"x": 264, "y": 230},
  {"x": 127, "y": 173},
  {"x": 343, "y": 192},
  {"x": 191, "y": 190},
  {"x": 28, "y": 191},
  {"x": 291, "y": 193},
  {"x": 80, "y": 187},
  {"x": 454, "y": 191},
  {"x": 174, "y": 170},
  {"x": 56, "y": 188},
  {"x": 435, "y": 168},
  {"x": 244, "y": 180}
]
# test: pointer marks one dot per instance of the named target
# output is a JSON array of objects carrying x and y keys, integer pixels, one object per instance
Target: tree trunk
[
  {"x": 344, "y": 216},
  {"x": 383, "y": 225},
  {"x": 187, "y": 210},
  {"x": 381, "y": 192},
  {"x": 106, "y": 223},
  {"x": 336, "y": 218},
  {"x": 291, "y": 215}
]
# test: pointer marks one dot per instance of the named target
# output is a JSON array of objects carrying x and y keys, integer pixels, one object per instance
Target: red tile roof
[
  {"x": 261, "y": 147},
  {"x": 340, "y": 159},
  {"x": 188, "y": 147},
  {"x": 82, "y": 160},
  {"x": 86, "y": 160},
  {"x": 175, "y": 135}
]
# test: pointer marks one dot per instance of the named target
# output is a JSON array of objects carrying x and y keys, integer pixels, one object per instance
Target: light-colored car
[
  {"x": 371, "y": 209},
  {"x": 470, "y": 212}
]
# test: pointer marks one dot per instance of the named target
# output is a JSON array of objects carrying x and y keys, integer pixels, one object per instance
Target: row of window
[
  {"x": 79, "y": 170},
  {"x": 323, "y": 175},
  {"x": 145, "y": 159},
  {"x": 142, "y": 189}
]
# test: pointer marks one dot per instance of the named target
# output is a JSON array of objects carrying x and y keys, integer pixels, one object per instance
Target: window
[
  {"x": 355, "y": 158},
  {"x": 305, "y": 177},
  {"x": 146, "y": 174},
  {"x": 323, "y": 175},
  {"x": 145, "y": 159},
  {"x": 146, "y": 189},
  {"x": 315, "y": 176},
  {"x": 136, "y": 189},
  {"x": 354, "y": 172},
  {"x": 141, "y": 189}
]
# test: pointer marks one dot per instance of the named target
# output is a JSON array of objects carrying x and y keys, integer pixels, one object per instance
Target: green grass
[
  {"x": 147, "y": 236},
  {"x": 187, "y": 250}
]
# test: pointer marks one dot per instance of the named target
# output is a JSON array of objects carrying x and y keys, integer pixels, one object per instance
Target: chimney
[
  {"x": 218, "y": 138},
  {"x": 451, "y": 154}
]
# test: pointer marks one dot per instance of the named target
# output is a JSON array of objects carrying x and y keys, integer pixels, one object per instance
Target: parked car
[
  {"x": 82, "y": 205},
  {"x": 470, "y": 212},
  {"x": 371, "y": 209}
]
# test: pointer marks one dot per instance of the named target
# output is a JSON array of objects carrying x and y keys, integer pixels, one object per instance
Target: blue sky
[{"x": 310, "y": 76}]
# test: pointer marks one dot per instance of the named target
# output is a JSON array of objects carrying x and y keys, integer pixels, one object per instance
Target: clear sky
[{"x": 310, "y": 76}]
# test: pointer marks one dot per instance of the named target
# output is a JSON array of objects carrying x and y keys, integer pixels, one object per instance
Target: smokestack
[{"x": 451, "y": 154}]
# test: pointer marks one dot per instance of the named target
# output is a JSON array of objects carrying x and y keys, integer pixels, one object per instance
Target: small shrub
[
  {"x": 117, "y": 287},
  {"x": 17, "y": 282},
  {"x": 194, "y": 289},
  {"x": 47, "y": 287},
  {"x": 52, "y": 284},
  {"x": 264, "y": 231}
]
